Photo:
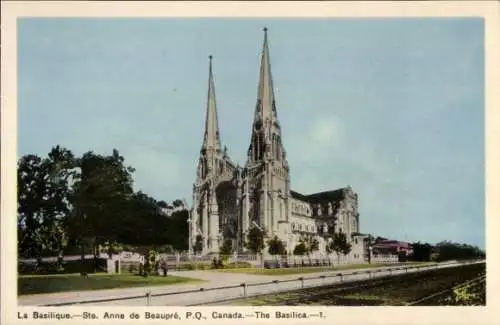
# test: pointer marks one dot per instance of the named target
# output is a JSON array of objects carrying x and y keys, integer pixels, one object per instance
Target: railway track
[{"x": 395, "y": 290}]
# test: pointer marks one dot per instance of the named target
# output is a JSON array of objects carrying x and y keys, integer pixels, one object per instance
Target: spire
[
  {"x": 265, "y": 107},
  {"x": 211, "y": 139}
]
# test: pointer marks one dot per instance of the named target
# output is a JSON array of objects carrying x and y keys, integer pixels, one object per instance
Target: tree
[
  {"x": 162, "y": 204},
  {"x": 32, "y": 188},
  {"x": 306, "y": 246},
  {"x": 177, "y": 203},
  {"x": 339, "y": 245},
  {"x": 300, "y": 249},
  {"x": 255, "y": 240},
  {"x": 198, "y": 245},
  {"x": 276, "y": 246},
  {"x": 178, "y": 229},
  {"x": 311, "y": 245},
  {"x": 421, "y": 252},
  {"x": 110, "y": 248},
  {"x": 447, "y": 250},
  {"x": 151, "y": 260},
  {"x": 101, "y": 194},
  {"x": 226, "y": 248},
  {"x": 44, "y": 202}
]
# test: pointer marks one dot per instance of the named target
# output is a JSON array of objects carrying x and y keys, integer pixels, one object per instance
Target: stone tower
[
  {"x": 214, "y": 191},
  {"x": 266, "y": 181},
  {"x": 206, "y": 210}
]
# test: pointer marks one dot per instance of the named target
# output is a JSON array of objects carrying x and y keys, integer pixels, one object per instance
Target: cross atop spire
[
  {"x": 211, "y": 139},
  {"x": 265, "y": 107}
]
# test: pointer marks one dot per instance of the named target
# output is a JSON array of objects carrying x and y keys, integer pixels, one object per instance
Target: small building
[{"x": 394, "y": 247}]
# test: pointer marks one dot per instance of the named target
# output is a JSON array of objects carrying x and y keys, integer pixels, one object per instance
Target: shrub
[
  {"x": 237, "y": 265},
  {"x": 63, "y": 267}
]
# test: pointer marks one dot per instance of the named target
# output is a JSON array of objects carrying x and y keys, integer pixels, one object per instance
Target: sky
[{"x": 392, "y": 107}]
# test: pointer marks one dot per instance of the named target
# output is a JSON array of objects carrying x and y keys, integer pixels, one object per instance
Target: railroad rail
[{"x": 337, "y": 290}]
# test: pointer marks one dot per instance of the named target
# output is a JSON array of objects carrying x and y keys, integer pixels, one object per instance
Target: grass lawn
[
  {"x": 74, "y": 282},
  {"x": 313, "y": 269}
]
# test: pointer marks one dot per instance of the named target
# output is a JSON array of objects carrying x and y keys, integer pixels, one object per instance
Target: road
[{"x": 214, "y": 279}]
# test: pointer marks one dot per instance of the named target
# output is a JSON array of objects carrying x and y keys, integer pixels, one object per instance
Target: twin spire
[
  {"x": 265, "y": 108},
  {"x": 211, "y": 139}
]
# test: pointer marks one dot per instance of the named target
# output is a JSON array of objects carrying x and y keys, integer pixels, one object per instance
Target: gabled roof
[{"x": 335, "y": 195}]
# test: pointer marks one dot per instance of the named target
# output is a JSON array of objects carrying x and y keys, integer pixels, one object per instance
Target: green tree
[
  {"x": 162, "y": 204},
  {"x": 421, "y": 252},
  {"x": 300, "y": 249},
  {"x": 151, "y": 260},
  {"x": 276, "y": 246},
  {"x": 44, "y": 202},
  {"x": 178, "y": 230},
  {"x": 177, "y": 203},
  {"x": 226, "y": 249},
  {"x": 141, "y": 222},
  {"x": 101, "y": 194},
  {"x": 339, "y": 245},
  {"x": 311, "y": 245},
  {"x": 198, "y": 246},
  {"x": 110, "y": 248},
  {"x": 447, "y": 250},
  {"x": 32, "y": 188},
  {"x": 255, "y": 240}
]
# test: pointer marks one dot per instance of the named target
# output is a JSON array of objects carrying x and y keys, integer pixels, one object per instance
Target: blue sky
[{"x": 392, "y": 107}]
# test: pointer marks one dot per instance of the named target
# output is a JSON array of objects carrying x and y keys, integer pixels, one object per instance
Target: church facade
[{"x": 229, "y": 199}]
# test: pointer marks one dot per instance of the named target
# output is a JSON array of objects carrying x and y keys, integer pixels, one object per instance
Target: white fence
[
  {"x": 64, "y": 258},
  {"x": 384, "y": 259},
  {"x": 183, "y": 261}
]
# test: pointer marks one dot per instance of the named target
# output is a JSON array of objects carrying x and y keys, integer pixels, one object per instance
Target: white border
[{"x": 489, "y": 10}]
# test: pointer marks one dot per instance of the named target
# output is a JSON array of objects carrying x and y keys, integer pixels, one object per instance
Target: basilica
[{"x": 229, "y": 199}]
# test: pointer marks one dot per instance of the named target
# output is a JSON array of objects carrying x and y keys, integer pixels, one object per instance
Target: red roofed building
[{"x": 393, "y": 247}]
